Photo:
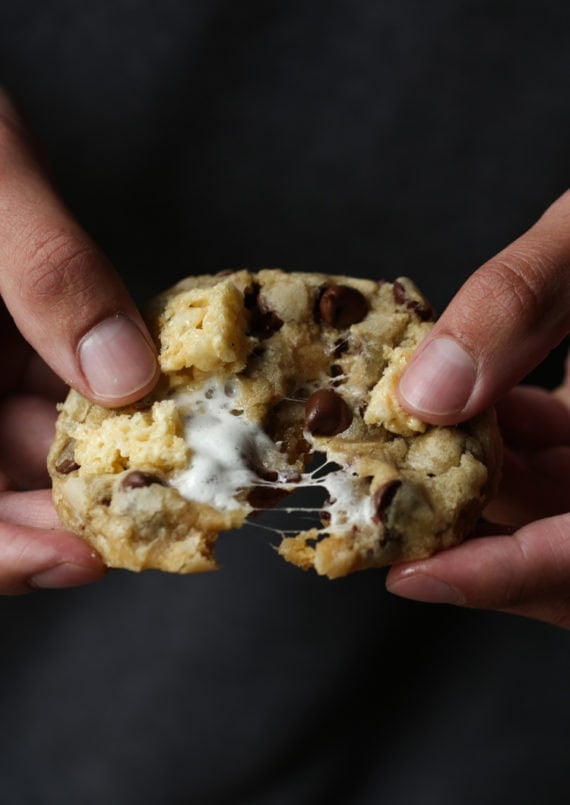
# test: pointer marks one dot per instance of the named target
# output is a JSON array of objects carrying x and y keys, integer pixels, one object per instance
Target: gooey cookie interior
[{"x": 260, "y": 372}]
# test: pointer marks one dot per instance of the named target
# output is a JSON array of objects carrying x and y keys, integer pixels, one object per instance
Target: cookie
[{"x": 272, "y": 382}]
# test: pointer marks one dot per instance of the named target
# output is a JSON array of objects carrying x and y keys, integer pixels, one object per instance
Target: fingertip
[
  {"x": 68, "y": 574},
  {"x": 414, "y": 583},
  {"x": 438, "y": 383},
  {"x": 118, "y": 362},
  {"x": 523, "y": 573},
  {"x": 33, "y": 558}
]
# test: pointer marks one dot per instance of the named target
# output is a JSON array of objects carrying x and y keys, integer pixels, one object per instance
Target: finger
[
  {"x": 532, "y": 419},
  {"x": 533, "y": 486},
  {"x": 6, "y": 482},
  {"x": 500, "y": 325},
  {"x": 486, "y": 528},
  {"x": 63, "y": 294},
  {"x": 35, "y": 558},
  {"x": 40, "y": 380},
  {"x": 26, "y": 432},
  {"x": 22, "y": 368},
  {"x": 33, "y": 509},
  {"x": 527, "y": 573}
]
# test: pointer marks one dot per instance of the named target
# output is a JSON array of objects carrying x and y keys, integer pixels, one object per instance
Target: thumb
[
  {"x": 62, "y": 292},
  {"x": 501, "y": 324}
]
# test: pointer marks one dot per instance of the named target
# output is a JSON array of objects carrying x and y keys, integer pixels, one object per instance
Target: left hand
[
  {"x": 62, "y": 302},
  {"x": 37, "y": 552}
]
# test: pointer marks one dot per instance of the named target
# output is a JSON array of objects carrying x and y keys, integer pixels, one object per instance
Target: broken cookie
[{"x": 261, "y": 372}]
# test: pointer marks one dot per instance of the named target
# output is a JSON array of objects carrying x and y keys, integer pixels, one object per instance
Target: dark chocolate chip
[
  {"x": 325, "y": 517},
  {"x": 337, "y": 373},
  {"x": 326, "y": 413},
  {"x": 263, "y": 320},
  {"x": 268, "y": 475},
  {"x": 67, "y": 465},
  {"x": 399, "y": 293},
  {"x": 422, "y": 309},
  {"x": 67, "y": 462},
  {"x": 340, "y": 347},
  {"x": 425, "y": 311},
  {"x": 340, "y": 306},
  {"x": 137, "y": 479},
  {"x": 250, "y": 296},
  {"x": 265, "y": 497},
  {"x": 266, "y": 324},
  {"x": 382, "y": 499}
]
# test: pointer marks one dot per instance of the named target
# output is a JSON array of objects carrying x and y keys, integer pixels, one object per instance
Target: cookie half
[{"x": 261, "y": 373}]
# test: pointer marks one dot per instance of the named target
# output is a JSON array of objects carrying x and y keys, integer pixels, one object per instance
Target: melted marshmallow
[
  {"x": 350, "y": 505},
  {"x": 224, "y": 445}
]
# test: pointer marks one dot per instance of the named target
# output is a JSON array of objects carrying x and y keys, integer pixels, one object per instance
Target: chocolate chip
[
  {"x": 268, "y": 475},
  {"x": 340, "y": 347},
  {"x": 66, "y": 465},
  {"x": 340, "y": 306},
  {"x": 265, "y": 497},
  {"x": 423, "y": 309},
  {"x": 138, "y": 479},
  {"x": 325, "y": 517},
  {"x": 399, "y": 293},
  {"x": 382, "y": 499},
  {"x": 326, "y": 413},
  {"x": 337, "y": 373},
  {"x": 263, "y": 320},
  {"x": 67, "y": 462}
]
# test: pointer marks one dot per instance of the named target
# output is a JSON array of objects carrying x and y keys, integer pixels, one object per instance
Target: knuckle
[
  {"x": 538, "y": 578},
  {"x": 517, "y": 284},
  {"x": 58, "y": 271},
  {"x": 516, "y": 590}
]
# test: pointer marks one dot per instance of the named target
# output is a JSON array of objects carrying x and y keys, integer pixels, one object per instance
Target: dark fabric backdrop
[{"x": 374, "y": 138}]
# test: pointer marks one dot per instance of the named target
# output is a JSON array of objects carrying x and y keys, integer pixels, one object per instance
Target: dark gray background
[{"x": 374, "y": 138}]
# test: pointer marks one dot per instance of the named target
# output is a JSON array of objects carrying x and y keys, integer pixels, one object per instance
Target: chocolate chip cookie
[{"x": 271, "y": 382}]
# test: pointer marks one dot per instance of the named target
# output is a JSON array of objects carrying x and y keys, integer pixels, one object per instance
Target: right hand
[
  {"x": 65, "y": 314},
  {"x": 509, "y": 314}
]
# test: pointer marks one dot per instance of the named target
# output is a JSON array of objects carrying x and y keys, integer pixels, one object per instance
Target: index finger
[
  {"x": 62, "y": 292},
  {"x": 500, "y": 325}
]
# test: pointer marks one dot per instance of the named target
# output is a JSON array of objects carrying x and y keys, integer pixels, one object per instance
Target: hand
[
  {"x": 62, "y": 298},
  {"x": 501, "y": 324}
]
